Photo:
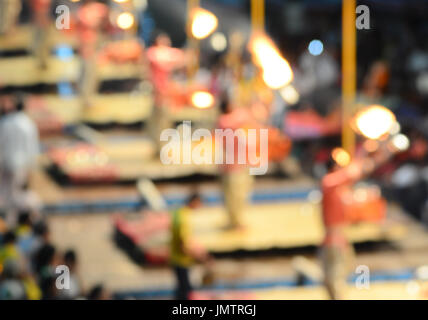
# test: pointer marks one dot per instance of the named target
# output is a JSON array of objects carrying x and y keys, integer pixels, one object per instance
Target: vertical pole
[
  {"x": 193, "y": 43},
  {"x": 258, "y": 15},
  {"x": 349, "y": 72}
]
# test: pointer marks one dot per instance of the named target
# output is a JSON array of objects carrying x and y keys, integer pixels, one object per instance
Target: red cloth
[
  {"x": 239, "y": 118},
  {"x": 163, "y": 60},
  {"x": 90, "y": 19},
  {"x": 334, "y": 186},
  {"x": 41, "y": 11},
  {"x": 41, "y": 5}
]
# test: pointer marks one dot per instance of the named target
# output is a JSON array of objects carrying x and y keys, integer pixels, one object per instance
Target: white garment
[
  {"x": 316, "y": 72},
  {"x": 19, "y": 147},
  {"x": 19, "y": 142}
]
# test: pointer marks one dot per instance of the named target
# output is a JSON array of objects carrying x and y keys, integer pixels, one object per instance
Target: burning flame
[
  {"x": 341, "y": 157},
  {"x": 375, "y": 121},
  {"x": 125, "y": 20},
  {"x": 202, "y": 99},
  {"x": 204, "y": 23},
  {"x": 277, "y": 72}
]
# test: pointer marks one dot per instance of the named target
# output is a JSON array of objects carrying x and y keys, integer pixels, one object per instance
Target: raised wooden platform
[
  {"x": 24, "y": 71},
  {"x": 22, "y": 38},
  {"x": 409, "y": 290},
  {"x": 275, "y": 226}
]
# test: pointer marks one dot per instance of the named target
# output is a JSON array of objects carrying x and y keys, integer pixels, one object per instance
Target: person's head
[
  {"x": 41, "y": 230},
  {"x": 24, "y": 218},
  {"x": 162, "y": 39},
  {"x": 98, "y": 292},
  {"x": 45, "y": 257},
  {"x": 194, "y": 201},
  {"x": 70, "y": 259},
  {"x": 9, "y": 238}
]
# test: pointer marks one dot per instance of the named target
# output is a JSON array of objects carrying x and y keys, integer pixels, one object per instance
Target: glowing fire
[
  {"x": 277, "y": 72},
  {"x": 202, "y": 99},
  {"x": 204, "y": 23},
  {"x": 375, "y": 121}
]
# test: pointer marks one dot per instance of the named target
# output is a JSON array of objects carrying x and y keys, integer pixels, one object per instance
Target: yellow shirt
[
  {"x": 8, "y": 251},
  {"x": 180, "y": 234}
]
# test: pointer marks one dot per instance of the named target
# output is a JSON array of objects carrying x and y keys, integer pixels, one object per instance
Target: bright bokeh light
[
  {"x": 396, "y": 128},
  {"x": 316, "y": 47},
  {"x": 290, "y": 95},
  {"x": 125, "y": 20},
  {"x": 204, "y": 23},
  {"x": 375, "y": 121},
  {"x": 277, "y": 72},
  {"x": 202, "y": 99},
  {"x": 341, "y": 157},
  {"x": 401, "y": 142},
  {"x": 64, "y": 52},
  {"x": 371, "y": 145},
  {"x": 120, "y": 1},
  {"x": 218, "y": 41}
]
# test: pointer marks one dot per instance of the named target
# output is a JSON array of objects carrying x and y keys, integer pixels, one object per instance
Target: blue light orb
[{"x": 316, "y": 47}]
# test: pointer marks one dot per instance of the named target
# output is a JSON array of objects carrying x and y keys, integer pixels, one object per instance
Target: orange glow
[
  {"x": 202, "y": 99},
  {"x": 374, "y": 121},
  {"x": 204, "y": 23},
  {"x": 277, "y": 72},
  {"x": 341, "y": 157},
  {"x": 371, "y": 145}
]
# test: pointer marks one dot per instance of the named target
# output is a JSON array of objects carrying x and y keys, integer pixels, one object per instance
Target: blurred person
[
  {"x": 9, "y": 249},
  {"x": 237, "y": 182},
  {"x": 45, "y": 263},
  {"x": 19, "y": 145},
  {"x": 48, "y": 287},
  {"x": 18, "y": 275},
  {"x": 11, "y": 286},
  {"x": 41, "y": 19},
  {"x": 25, "y": 242},
  {"x": 183, "y": 250},
  {"x": 163, "y": 59},
  {"x": 24, "y": 233},
  {"x": 9, "y": 15},
  {"x": 317, "y": 79},
  {"x": 337, "y": 253},
  {"x": 41, "y": 234},
  {"x": 45, "y": 259},
  {"x": 376, "y": 81},
  {"x": 92, "y": 20},
  {"x": 75, "y": 291}
]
